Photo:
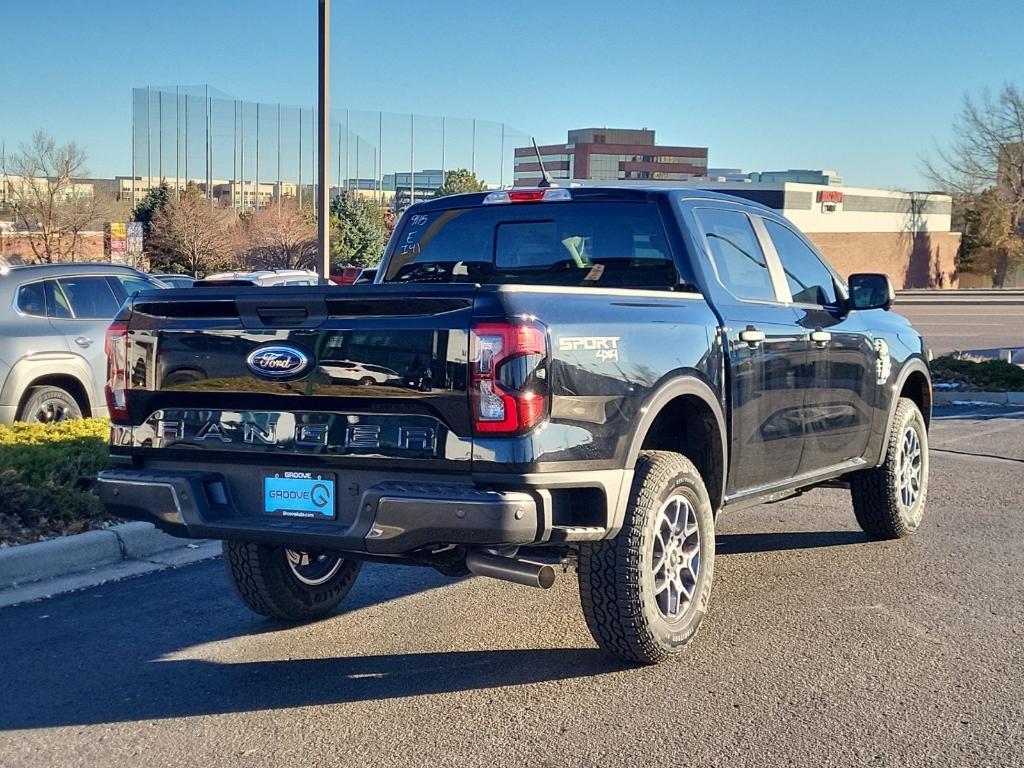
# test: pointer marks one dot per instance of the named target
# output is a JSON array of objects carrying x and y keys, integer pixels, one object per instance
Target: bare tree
[
  {"x": 196, "y": 237},
  {"x": 52, "y": 204},
  {"x": 986, "y": 151},
  {"x": 280, "y": 237},
  {"x": 983, "y": 168}
]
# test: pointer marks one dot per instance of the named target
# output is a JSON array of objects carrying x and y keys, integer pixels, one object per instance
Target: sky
[{"x": 869, "y": 89}]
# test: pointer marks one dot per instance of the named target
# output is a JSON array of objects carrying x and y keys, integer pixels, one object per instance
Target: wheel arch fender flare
[
  {"x": 911, "y": 366},
  {"x": 669, "y": 391}
]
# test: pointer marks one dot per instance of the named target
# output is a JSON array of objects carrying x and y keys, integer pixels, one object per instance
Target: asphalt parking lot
[{"x": 820, "y": 648}]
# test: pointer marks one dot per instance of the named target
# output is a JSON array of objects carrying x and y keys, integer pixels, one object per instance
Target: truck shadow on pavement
[
  {"x": 107, "y": 654},
  {"x": 746, "y": 543}
]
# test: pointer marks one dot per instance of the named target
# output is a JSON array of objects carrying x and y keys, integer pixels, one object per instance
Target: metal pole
[
  {"x": 501, "y": 159},
  {"x": 256, "y": 171},
  {"x": 234, "y": 159},
  {"x": 300, "y": 157},
  {"x": 339, "y": 160},
  {"x": 160, "y": 135},
  {"x": 133, "y": 148},
  {"x": 380, "y": 156},
  {"x": 473, "y": 156},
  {"x": 177, "y": 142},
  {"x": 444, "y": 120},
  {"x": 279, "y": 193},
  {"x": 348, "y": 174},
  {"x": 186, "y": 140},
  {"x": 149, "y": 139},
  {"x": 412, "y": 159},
  {"x": 323, "y": 143},
  {"x": 208, "y": 159},
  {"x": 241, "y": 154}
]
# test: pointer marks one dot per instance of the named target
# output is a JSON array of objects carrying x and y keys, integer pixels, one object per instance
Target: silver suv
[{"x": 53, "y": 321}]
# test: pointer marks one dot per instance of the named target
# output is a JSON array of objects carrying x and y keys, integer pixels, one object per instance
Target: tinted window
[
  {"x": 90, "y": 297},
  {"x": 737, "y": 254},
  {"x": 809, "y": 280},
  {"x": 32, "y": 299},
  {"x": 600, "y": 244},
  {"x": 133, "y": 284},
  {"x": 56, "y": 302}
]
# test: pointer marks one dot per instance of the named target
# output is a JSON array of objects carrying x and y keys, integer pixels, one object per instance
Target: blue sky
[{"x": 865, "y": 88}]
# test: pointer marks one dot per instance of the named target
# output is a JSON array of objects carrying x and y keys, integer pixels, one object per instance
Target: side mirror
[{"x": 871, "y": 290}]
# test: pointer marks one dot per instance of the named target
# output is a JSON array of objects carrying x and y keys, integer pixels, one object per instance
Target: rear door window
[
  {"x": 737, "y": 254},
  {"x": 598, "y": 244},
  {"x": 90, "y": 297}
]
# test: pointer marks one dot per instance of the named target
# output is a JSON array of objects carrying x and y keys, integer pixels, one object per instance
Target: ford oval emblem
[{"x": 279, "y": 362}]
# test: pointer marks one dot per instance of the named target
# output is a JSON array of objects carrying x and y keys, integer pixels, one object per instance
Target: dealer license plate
[{"x": 299, "y": 494}]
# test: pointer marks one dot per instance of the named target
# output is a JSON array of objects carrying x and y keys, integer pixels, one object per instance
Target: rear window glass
[
  {"x": 599, "y": 244},
  {"x": 32, "y": 300}
]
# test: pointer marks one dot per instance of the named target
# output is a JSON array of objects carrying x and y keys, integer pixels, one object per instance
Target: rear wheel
[
  {"x": 49, "y": 405},
  {"x": 889, "y": 500},
  {"x": 645, "y": 592},
  {"x": 289, "y": 584}
]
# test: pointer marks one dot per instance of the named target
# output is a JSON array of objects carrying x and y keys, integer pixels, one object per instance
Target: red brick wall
[
  {"x": 90, "y": 246},
  {"x": 925, "y": 260}
]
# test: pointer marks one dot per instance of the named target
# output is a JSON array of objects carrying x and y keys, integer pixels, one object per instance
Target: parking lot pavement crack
[{"x": 991, "y": 456}]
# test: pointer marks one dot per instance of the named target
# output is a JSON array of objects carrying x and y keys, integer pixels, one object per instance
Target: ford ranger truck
[{"x": 539, "y": 376}]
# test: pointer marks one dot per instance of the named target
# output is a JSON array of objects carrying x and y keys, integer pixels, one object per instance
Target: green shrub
[
  {"x": 47, "y": 473},
  {"x": 991, "y": 375}
]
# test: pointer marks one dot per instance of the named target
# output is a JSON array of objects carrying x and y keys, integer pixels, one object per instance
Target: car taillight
[
  {"x": 116, "y": 390},
  {"x": 508, "y": 372}
]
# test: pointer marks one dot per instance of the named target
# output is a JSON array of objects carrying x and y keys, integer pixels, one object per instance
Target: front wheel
[
  {"x": 889, "y": 500},
  {"x": 645, "y": 592},
  {"x": 289, "y": 584}
]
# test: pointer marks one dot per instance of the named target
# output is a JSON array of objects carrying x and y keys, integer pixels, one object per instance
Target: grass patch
[
  {"x": 974, "y": 373},
  {"x": 47, "y": 479}
]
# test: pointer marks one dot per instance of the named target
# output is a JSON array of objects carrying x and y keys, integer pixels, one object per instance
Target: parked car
[
  {"x": 352, "y": 372},
  {"x": 609, "y": 370},
  {"x": 346, "y": 276},
  {"x": 176, "y": 280},
  {"x": 263, "y": 277},
  {"x": 53, "y": 319}
]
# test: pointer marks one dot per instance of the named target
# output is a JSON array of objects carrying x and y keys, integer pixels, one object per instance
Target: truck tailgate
[{"x": 380, "y": 371}]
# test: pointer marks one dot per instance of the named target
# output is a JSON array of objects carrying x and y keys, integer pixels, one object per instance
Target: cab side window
[
  {"x": 809, "y": 280},
  {"x": 737, "y": 253}
]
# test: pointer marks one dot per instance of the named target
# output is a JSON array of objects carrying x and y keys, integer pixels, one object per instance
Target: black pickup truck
[{"x": 537, "y": 377}]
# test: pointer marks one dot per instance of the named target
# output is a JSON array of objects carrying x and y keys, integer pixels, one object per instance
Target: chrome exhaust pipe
[{"x": 484, "y": 563}]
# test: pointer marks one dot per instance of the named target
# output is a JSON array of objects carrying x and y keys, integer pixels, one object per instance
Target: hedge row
[
  {"x": 986, "y": 375},
  {"x": 47, "y": 478}
]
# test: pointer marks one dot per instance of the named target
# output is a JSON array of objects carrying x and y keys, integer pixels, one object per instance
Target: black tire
[
  {"x": 49, "y": 404},
  {"x": 617, "y": 576},
  {"x": 263, "y": 578},
  {"x": 880, "y": 495}
]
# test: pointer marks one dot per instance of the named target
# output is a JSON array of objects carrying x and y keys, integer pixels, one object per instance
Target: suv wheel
[
  {"x": 48, "y": 405},
  {"x": 289, "y": 584},
  {"x": 645, "y": 592},
  {"x": 889, "y": 500}
]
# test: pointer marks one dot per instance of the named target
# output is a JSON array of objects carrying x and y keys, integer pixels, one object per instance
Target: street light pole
[{"x": 323, "y": 142}]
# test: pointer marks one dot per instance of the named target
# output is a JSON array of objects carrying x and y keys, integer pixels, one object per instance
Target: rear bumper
[{"x": 391, "y": 518}]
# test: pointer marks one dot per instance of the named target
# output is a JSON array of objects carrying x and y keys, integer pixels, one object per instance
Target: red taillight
[
  {"x": 116, "y": 390},
  {"x": 509, "y": 388}
]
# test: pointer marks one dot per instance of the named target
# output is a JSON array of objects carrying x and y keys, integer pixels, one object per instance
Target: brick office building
[{"x": 610, "y": 154}]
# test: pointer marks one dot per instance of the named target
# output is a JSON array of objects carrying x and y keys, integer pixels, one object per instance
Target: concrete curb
[
  {"x": 967, "y": 397},
  {"x": 69, "y": 555}
]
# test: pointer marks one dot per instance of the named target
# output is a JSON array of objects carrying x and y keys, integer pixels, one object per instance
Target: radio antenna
[{"x": 547, "y": 181}]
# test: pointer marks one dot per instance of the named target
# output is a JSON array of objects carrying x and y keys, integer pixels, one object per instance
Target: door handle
[
  {"x": 752, "y": 335},
  {"x": 83, "y": 341},
  {"x": 820, "y": 337}
]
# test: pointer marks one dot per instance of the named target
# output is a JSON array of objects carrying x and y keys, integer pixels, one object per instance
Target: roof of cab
[{"x": 627, "y": 192}]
